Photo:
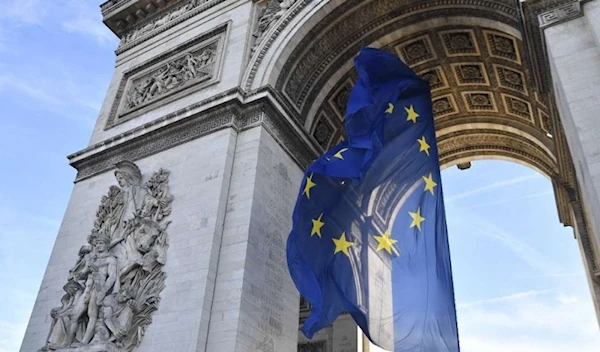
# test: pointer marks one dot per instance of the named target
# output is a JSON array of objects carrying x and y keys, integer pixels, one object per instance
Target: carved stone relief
[
  {"x": 115, "y": 284},
  {"x": 194, "y": 66},
  {"x": 560, "y": 13},
  {"x": 190, "y": 66},
  {"x": 164, "y": 20},
  {"x": 267, "y": 16}
]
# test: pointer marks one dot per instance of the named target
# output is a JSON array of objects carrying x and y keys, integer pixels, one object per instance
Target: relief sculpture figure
[
  {"x": 115, "y": 284},
  {"x": 175, "y": 74}
]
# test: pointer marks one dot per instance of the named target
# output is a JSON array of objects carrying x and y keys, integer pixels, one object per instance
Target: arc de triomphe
[{"x": 174, "y": 235}]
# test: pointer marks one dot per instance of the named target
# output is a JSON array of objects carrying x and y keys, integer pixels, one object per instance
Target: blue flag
[{"x": 369, "y": 229}]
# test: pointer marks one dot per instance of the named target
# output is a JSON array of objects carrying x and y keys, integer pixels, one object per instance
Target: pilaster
[{"x": 571, "y": 35}]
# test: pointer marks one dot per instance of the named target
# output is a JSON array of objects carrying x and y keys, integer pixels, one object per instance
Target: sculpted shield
[{"x": 114, "y": 287}]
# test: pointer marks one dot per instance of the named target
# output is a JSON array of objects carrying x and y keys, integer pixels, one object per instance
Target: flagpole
[{"x": 365, "y": 343}]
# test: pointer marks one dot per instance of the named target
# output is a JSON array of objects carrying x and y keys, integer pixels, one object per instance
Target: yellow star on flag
[
  {"x": 429, "y": 183},
  {"x": 390, "y": 108},
  {"x": 385, "y": 242},
  {"x": 309, "y": 184},
  {"x": 424, "y": 147},
  {"x": 412, "y": 114},
  {"x": 417, "y": 219},
  {"x": 342, "y": 245},
  {"x": 317, "y": 224},
  {"x": 339, "y": 153}
]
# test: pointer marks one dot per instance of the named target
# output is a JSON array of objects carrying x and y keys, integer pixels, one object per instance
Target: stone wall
[
  {"x": 199, "y": 181},
  {"x": 574, "y": 53}
]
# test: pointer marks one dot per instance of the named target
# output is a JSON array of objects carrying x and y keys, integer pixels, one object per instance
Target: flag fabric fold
[{"x": 369, "y": 230}]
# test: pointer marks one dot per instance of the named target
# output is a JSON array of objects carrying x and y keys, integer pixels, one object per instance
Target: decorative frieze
[
  {"x": 231, "y": 114},
  {"x": 184, "y": 69},
  {"x": 195, "y": 66},
  {"x": 562, "y": 12}
]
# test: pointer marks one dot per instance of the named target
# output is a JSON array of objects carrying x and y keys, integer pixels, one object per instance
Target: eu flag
[{"x": 369, "y": 230}]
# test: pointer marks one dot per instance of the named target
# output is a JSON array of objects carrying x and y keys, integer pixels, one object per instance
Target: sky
[{"x": 518, "y": 275}]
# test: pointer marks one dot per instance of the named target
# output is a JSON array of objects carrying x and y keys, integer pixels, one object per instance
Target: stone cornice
[
  {"x": 537, "y": 16},
  {"x": 162, "y": 21},
  {"x": 552, "y": 12},
  {"x": 233, "y": 109},
  {"x": 122, "y": 15}
]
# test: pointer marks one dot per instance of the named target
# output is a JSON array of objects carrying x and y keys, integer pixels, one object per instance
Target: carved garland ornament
[{"x": 115, "y": 285}]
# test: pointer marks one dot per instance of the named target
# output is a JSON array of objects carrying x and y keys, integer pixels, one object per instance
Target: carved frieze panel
[
  {"x": 511, "y": 78},
  {"x": 114, "y": 287},
  {"x": 444, "y": 105},
  {"x": 436, "y": 78},
  {"x": 324, "y": 130},
  {"x": 479, "y": 101},
  {"x": 417, "y": 51},
  {"x": 152, "y": 20},
  {"x": 182, "y": 70},
  {"x": 571, "y": 9},
  {"x": 518, "y": 107},
  {"x": 503, "y": 46},
  {"x": 470, "y": 74},
  {"x": 459, "y": 42}
]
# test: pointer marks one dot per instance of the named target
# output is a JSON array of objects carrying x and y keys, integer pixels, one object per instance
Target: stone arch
[{"x": 477, "y": 56}]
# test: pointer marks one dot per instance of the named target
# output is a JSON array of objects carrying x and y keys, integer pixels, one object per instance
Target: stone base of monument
[{"x": 93, "y": 347}]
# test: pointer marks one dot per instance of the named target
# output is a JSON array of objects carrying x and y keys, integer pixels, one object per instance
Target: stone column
[
  {"x": 572, "y": 36},
  {"x": 255, "y": 305}
]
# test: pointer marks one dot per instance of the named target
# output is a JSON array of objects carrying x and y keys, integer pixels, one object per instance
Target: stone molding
[
  {"x": 261, "y": 48},
  {"x": 148, "y": 72},
  {"x": 161, "y": 22},
  {"x": 239, "y": 111},
  {"x": 562, "y": 12},
  {"x": 321, "y": 54}
]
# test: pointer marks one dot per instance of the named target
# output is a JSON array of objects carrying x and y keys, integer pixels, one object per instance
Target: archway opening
[
  {"x": 519, "y": 281},
  {"x": 486, "y": 98}
]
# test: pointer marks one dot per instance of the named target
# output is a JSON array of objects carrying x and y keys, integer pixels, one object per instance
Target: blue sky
[{"x": 518, "y": 275}]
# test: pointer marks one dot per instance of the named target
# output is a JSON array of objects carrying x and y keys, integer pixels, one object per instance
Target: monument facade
[{"x": 174, "y": 235}]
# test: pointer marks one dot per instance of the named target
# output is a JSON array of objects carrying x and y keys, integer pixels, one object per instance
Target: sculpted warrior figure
[
  {"x": 65, "y": 319},
  {"x": 104, "y": 273}
]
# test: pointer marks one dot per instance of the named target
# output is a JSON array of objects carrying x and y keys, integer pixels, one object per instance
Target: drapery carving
[{"x": 114, "y": 286}]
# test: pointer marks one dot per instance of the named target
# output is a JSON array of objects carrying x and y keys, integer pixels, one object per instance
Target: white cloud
[
  {"x": 85, "y": 19},
  {"x": 509, "y": 201},
  {"x": 25, "y": 238},
  {"x": 531, "y": 321},
  {"x": 529, "y": 324},
  {"x": 492, "y": 186},
  {"x": 11, "y": 335},
  {"x": 24, "y": 11},
  {"x": 81, "y": 17},
  {"x": 479, "y": 226},
  {"x": 507, "y": 298},
  {"x": 57, "y": 94}
]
